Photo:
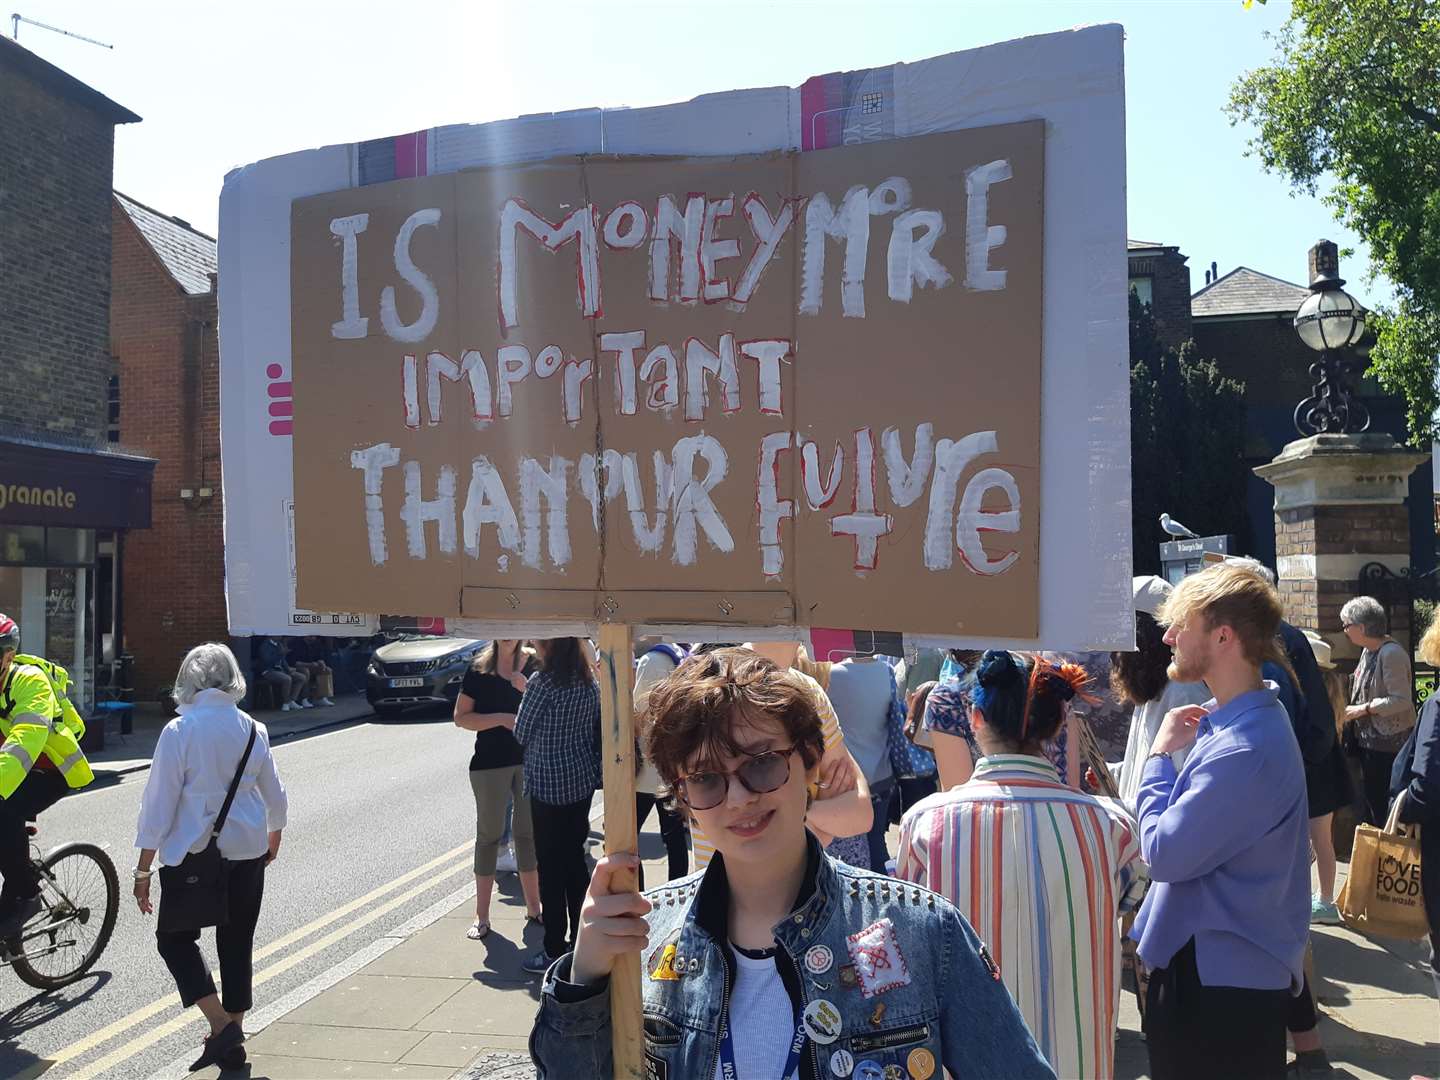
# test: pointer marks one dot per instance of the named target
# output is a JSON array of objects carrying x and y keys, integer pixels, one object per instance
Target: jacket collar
[{"x": 817, "y": 898}]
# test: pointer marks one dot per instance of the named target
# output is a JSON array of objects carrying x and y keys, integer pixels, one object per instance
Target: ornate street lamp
[{"x": 1331, "y": 323}]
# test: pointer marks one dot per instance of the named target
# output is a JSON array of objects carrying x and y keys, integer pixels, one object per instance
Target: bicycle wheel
[{"x": 81, "y": 893}]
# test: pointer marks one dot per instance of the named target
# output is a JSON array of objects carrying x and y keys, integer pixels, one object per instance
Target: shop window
[
  {"x": 22, "y": 544},
  {"x": 70, "y": 546}
]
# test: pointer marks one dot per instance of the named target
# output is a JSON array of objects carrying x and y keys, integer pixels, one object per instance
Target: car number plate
[{"x": 407, "y": 682}]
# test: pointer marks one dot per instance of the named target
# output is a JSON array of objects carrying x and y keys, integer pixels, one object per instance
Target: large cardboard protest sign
[
  {"x": 777, "y": 389},
  {"x": 953, "y": 465}
]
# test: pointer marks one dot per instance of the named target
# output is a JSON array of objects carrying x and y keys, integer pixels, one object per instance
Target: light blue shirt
[{"x": 1226, "y": 838}]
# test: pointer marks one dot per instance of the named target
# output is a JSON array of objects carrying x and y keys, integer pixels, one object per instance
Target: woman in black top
[{"x": 489, "y": 699}]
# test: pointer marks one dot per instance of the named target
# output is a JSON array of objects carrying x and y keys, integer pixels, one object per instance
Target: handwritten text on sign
[{"x": 816, "y": 375}]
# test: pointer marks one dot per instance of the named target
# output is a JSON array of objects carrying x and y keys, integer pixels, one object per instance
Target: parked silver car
[{"x": 418, "y": 670}]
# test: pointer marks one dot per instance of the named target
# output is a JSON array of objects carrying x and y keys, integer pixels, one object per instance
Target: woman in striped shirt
[{"x": 1042, "y": 871}]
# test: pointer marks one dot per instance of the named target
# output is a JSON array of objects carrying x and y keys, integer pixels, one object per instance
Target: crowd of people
[{"x": 1039, "y": 867}]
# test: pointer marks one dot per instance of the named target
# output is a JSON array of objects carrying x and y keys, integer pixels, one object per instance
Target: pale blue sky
[{"x": 223, "y": 84}]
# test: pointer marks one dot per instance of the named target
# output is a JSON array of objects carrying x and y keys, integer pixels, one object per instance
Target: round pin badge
[
  {"x": 822, "y": 1021},
  {"x": 842, "y": 1063},
  {"x": 921, "y": 1064},
  {"x": 894, "y": 1072},
  {"x": 869, "y": 1070},
  {"x": 818, "y": 959}
]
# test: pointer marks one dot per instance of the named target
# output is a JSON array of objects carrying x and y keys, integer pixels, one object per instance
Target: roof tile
[{"x": 188, "y": 254}]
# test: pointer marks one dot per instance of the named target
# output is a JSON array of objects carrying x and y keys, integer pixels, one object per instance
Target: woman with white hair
[
  {"x": 1381, "y": 713},
  {"x": 197, "y": 761}
]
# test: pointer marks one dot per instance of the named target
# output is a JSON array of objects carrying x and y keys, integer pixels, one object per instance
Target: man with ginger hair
[{"x": 1223, "y": 927}]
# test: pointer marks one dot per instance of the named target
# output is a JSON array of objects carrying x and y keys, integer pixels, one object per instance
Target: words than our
[{"x": 683, "y": 508}]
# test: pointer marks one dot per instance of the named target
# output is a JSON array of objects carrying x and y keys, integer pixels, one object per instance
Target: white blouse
[{"x": 194, "y": 762}]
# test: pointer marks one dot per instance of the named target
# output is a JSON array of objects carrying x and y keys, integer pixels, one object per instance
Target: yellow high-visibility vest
[{"x": 37, "y": 717}]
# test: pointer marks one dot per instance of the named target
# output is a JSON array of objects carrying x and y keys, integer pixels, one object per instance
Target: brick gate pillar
[{"x": 1339, "y": 504}]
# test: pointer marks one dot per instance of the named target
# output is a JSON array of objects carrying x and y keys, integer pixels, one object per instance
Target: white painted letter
[
  {"x": 772, "y": 508},
  {"x": 577, "y": 372},
  {"x": 648, "y": 538},
  {"x": 410, "y": 390},
  {"x": 578, "y": 226},
  {"x": 588, "y": 479},
  {"x": 373, "y": 461},
  {"x": 980, "y": 235},
  {"x": 513, "y": 364},
  {"x": 692, "y": 498},
  {"x": 417, "y": 511},
  {"x": 699, "y": 360},
  {"x": 671, "y": 225},
  {"x": 767, "y": 356},
  {"x": 488, "y": 503},
  {"x": 537, "y": 482},
  {"x": 910, "y": 260},
  {"x": 863, "y": 523},
  {"x": 973, "y": 521},
  {"x": 712, "y": 250},
  {"x": 907, "y": 482},
  {"x": 619, "y": 234},
  {"x": 851, "y": 224},
  {"x": 951, "y": 461},
  {"x": 417, "y": 279},
  {"x": 664, "y": 393},
  {"x": 472, "y": 368},
  {"x": 345, "y": 229},
  {"x": 820, "y": 494},
  {"x": 624, "y": 347},
  {"x": 768, "y": 233}
]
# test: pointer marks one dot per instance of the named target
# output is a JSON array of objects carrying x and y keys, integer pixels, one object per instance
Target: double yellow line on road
[{"x": 435, "y": 868}]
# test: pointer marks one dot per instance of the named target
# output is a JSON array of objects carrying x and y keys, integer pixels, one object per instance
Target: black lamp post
[{"x": 1330, "y": 322}]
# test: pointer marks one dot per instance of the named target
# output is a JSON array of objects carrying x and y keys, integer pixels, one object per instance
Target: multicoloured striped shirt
[{"x": 1042, "y": 872}]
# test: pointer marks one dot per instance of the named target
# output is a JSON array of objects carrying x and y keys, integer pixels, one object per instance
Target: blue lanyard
[{"x": 728, "y": 1070}]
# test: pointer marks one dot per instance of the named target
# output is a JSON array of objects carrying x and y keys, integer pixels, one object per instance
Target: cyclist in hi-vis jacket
[{"x": 40, "y": 759}]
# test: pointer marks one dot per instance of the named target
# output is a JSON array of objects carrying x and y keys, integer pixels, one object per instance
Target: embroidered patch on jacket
[
  {"x": 663, "y": 966},
  {"x": 879, "y": 964},
  {"x": 656, "y": 1068}
]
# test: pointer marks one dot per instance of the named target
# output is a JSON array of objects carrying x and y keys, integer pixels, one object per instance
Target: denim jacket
[{"x": 934, "y": 999}]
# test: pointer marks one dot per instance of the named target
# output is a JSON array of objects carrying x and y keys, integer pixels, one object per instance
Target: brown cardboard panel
[
  {"x": 349, "y": 398},
  {"x": 961, "y": 359},
  {"x": 718, "y": 414},
  {"x": 552, "y": 335}
]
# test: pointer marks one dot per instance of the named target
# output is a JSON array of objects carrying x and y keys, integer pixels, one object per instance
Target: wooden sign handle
[{"x": 617, "y": 749}]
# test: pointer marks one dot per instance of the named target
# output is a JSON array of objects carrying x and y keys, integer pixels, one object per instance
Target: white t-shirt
[
  {"x": 762, "y": 1018},
  {"x": 1144, "y": 726}
]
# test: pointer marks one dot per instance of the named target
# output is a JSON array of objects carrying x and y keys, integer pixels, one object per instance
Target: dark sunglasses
[{"x": 761, "y": 774}]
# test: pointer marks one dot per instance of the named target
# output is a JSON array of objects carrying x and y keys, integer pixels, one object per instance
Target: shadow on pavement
[{"x": 32, "y": 1013}]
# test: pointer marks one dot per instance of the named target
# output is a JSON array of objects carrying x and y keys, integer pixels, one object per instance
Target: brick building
[
  {"x": 167, "y": 396},
  {"x": 1160, "y": 277},
  {"x": 65, "y": 493}
]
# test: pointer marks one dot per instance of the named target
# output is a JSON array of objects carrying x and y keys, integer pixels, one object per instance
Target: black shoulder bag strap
[{"x": 234, "y": 784}]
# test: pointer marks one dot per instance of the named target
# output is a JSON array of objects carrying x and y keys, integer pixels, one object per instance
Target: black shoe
[
  {"x": 233, "y": 1059},
  {"x": 217, "y": 1046},
  {"x": 24, "y": 910}
]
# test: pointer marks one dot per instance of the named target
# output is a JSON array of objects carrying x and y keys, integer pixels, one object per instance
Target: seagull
[{"x": 1174, "y": 528}]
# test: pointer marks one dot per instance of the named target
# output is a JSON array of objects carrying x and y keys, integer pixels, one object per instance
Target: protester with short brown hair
[
  {"x": 825, "y": 968},
  {"x": 1224, "y": 926}
]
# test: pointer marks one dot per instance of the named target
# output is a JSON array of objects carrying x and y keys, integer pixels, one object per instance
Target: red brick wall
[{"x": 173, "y": 574}]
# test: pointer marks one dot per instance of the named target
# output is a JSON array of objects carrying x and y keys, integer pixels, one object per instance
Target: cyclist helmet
[{"x": 9, "y": 634}]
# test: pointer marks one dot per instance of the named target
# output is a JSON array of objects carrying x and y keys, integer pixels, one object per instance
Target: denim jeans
[{"x": 881, "y": 796}]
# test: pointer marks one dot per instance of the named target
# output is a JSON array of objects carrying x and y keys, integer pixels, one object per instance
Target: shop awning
[{"x": 43, "y": 484}]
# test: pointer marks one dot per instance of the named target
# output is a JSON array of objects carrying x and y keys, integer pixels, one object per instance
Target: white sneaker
[
  {"x": 304, "y": 704},
  {"x": 505, "y": 862},
  {"x": 325, "y": 702},
  {"x": 286, "y": 706}
]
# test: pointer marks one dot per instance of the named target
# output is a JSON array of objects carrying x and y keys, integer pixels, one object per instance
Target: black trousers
[
  {"x": 673, "y": 831},
  {"x": 234, "y": 942},
  {"x": 560, "y": 834},
  {"x": 1375, "y": 766},
  {"x": 40, "y": 790},
  {"x": 1199, "y": 1032},
  {"x": 1300, "y": 1015}
]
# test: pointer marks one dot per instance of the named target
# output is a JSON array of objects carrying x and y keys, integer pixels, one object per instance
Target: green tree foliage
[
  {"x": 1187, "y": 436},
  {"x": 1354, "y": 92}
]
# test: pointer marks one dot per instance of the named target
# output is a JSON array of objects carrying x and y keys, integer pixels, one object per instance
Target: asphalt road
[{"x": 369, "y": 803}]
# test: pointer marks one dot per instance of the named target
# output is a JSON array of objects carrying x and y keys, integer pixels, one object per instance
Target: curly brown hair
[
  {"x": 692, "y": 715},
  {"x": 1139, "y": 676}
]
